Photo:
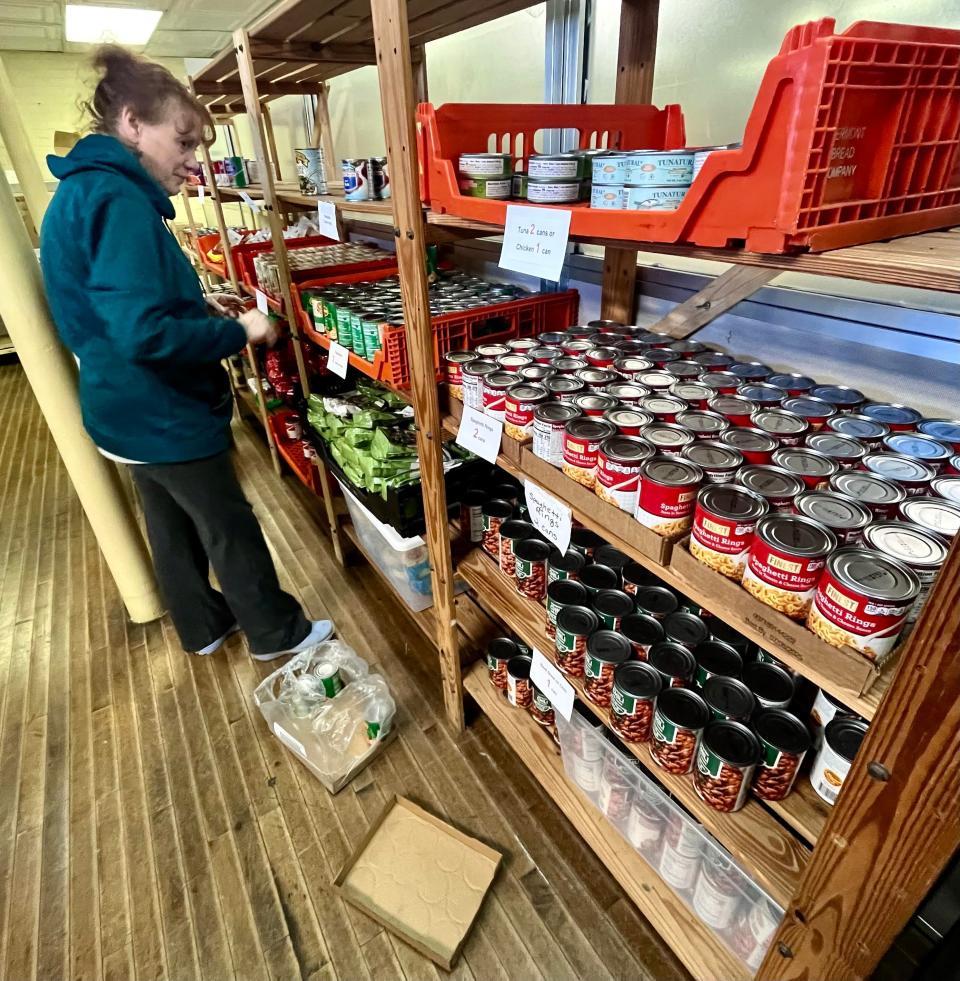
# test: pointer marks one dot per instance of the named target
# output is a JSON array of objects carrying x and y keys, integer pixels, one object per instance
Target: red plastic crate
[
  {"x": 524, "y": 317},
  {"x": 292, "y": 451},
  {"x": 852, "y": 138}
]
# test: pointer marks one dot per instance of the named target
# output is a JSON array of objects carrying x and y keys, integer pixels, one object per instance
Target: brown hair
[{"x": 127, "y": 79}]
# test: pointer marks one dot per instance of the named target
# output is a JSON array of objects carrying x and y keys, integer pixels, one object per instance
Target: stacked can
[
  {"x": 365, "y": 178},
  {"x": 486, "y": 175},
  {"x": 641, "y": 180}
]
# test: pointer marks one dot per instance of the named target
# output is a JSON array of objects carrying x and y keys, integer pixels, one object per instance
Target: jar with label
[
  {"x": 562, "y": 593},
  {"x": 643, "y": 631},
  {"x": 530, "y": 568},
  {"x": 784, "y": 742},
  {"x": 549, "y": 425},
  {"x": 679, "y": 719},
  {"x": 606, "y": 650},
  {"x": 841, "y": 742},
  {"x": 575, "y": 624},
  {"x": 718, "y": 891},
  {"x": 499, "y": 653},
  {"x": 682, "y": 850},
  {"x": 519, "y": 688},
  {"x": 635, "y": 689},
  {"x": 726, "y": 759}
]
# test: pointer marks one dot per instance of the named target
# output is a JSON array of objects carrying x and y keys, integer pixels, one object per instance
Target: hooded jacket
[{"x": 128, "y": 304}]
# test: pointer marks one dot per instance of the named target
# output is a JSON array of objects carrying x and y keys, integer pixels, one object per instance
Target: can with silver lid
[
  {"x": 756, "y": 446},
  {"x": 882, "y": 496},
  {"x": 537, "y": 373},
  {"x": 812, "y": 467},
  {"x": 777, "y": 486},
  {"x": 519, "y": 406},
  {"x": 514, "y": 361},
  {"x": 932, "y": 514},
  {"x": 549, "y": 424},
  {"x": 753, "y": 371},
  {"x": 663, "y": 408},
  {"x": 629, "y": 422},
  {"x": 947, "y": 487},
  {"x": 841, "y": 743},
  {"x": 632, "y": 366},
  {"x": 815, "y": 411},
  {"x": 900, "y": 418},
  {"x": 844, "y": 516},
  {"x": 548, "y": 166},
  {"x": 862, "y": 601},
  {"x": 495, "y": 386},
  {"x": 848, "y": 452},
  {"x": 944, "y": 430},
  {"x": 685, "y": 370},
  {"x": 668, "y": 490},
  {"x": 715, "y": 361},
  {"x": 694, "y": 393},
  {"x": 787, "y": 428},
  {"x": 471, "y": 377},
  {"x": 762, "y": 394},
  {"x": 486, "y": 164},
  {"x": 581, "y": 446},
  {"x": 912, "y": 475},
  {"x": 626, "y": 392},
  {"x": 861, "y": 428},
  {"x": 564, "y": 387},
  {"x": 553, "y": 191},
  {"x": 734, "y": 408},
  {"x": 726, "y": 759},
  {"x": 719, "y": 463},
  {"x": 916, "y": 548},
  {"x": 926, "y": 449},
  {"x": 453, "y": 362},
  {"x": 784, "y": 742},
  {"x": 668, "y": 437},
  {"x": 620, "y": 461},
  {"x": 706, "y": 426},
  {"x": 722, "y": 382},
  {"x": 724, "y": 523},
  {"x": 842, "y": 396},
  {"x": 794, "y": 384}
]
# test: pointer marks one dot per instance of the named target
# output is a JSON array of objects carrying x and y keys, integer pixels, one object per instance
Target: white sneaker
[
  {"x": 321, "y": 630},
  {"x": 215, "y": 645}
]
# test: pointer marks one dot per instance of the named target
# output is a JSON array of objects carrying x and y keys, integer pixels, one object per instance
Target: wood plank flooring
[{"x": 152, "y": 827}]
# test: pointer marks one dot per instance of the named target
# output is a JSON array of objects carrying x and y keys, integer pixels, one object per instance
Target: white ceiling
[{"x": 188, "y": 29}]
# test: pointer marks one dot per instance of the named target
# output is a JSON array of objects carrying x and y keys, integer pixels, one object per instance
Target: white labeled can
[
  {"x": 717, "y": 893},
  {"x": 549, "y": 425},
  {"x": 841, "y": 741},
  {"x": 645, "y": 198},
  {"x": 553, "y": 191},
  {"x": 611, "y": 197},
  {"x": 486, "y": 164},
  {"x": 673, "y": 168},
  {"x": 612, "y": 168},
  {"x": 551, "y": 166},
  {"x": 680, "y": 859}
]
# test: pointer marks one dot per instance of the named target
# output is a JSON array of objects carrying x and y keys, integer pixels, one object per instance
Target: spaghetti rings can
[
  {"x": 668, "y": 491},
  {"x": 724, "y": 523},
  {"x": 581, "y": 447},
  {"x": 620, "y": 461}
]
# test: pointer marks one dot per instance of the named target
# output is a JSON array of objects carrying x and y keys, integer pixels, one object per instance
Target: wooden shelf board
[
  {"x": 697, "y": 947},
  {"x": 769, "y": 852}
]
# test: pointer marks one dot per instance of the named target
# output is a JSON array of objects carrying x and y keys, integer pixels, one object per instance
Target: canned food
[
  {"x": 684, "y": 370},
  {"x": 756, "y": 446},
  {"x": 734, "y": 408},
  {"x": 547, "y": 166},
  {"x": 912, "y": 475},
  {"x": 492, "y": 351},
  {"x": 520, "y": 403},
  {"x": 825, "y": 709},
  {"x": 293, "y": 428},
  {"x": 918, "y": 447},
  {"x": 486, "y": 164},
  {"x": 787, "y": 428},
  {"x": 680, "y": 856},
  {"x": 785, "y": 562},
  {"x": 883, "y": 497},
  {"x": 686, "y": 629},
  {"x": 593, "y": 405},
  {"x": 784, "y": 742},
  {"x": 668, "y": 490},
  {"x": 629, "y": 422},
  {"x": 718, "y": 463},
  {"x": 453, "y": 362},
  {"x": 519, "y": 688},
  {"x": 842, "y": 396},
  {"x": 762, "y": 394},
  {"x": 704, "y": 425},
  {"x": 793, "y": 383},
  {"x": 564, "y": 387},
  {"x": 491, "y": 188},
  {"x": 631, "y": 367},
  {"x": 643, "y": 631},
  {"x": 715, "y": 657},
  {"x": 493, "y": 514},
  {"x": 900, "y": 418},
  {"x": 715, "y": 361},
  {"x": 861, "y": 428},
  {"x": 511, "y": 533},
  {"x": 664, "y": 358},
  {"x": 471, "y": 515},
  {"x": 611, "y": 168},
  {"x": 848, "y": 452},
  {"x": 499, "y": 653},
  {"x": 581, "y": 448},
  {"x": 647, "y": 198},
  {"x": 586, "y": 541},
  {"x": 518, "y": 185},
  {"x": 716, "y": 896},
  {"x": 356, "y": 179},
  {"x": 613, "y": 558},
  {"x": 674, "y": 662},
  {"x": 772, "y": 685},
  {"x": 574, "y": 625},
  {"x": 495, "y": 385},
  {"x": 616, "y": 790},
  {"x": 754, "y": 371},
  {"x": 753, "y": 929},
  {"x": 812, "y": 467},
  {"x": 537, "y": 373},
  {"x": 611, "y": 606},
  {"x": 679, "y": 718},
  {"x": 656, "y": 601},
  {"x": 562, "y": 593},
  {"x": 650, "y": 168},
  {"x": 720, "y": 381},
  {"x": 530, "y": 568},
  {"x": 564, "y": 565},
  {"x": 727, "y": 756},
  {"x": 656, "y": 380},
  {"x": 608, "y": 197},
  {"x": 549, "y": 425},
  {"x": 472, "y": 375},
  {"x": 597, "y": 379},
  {"x": 841, "y": 743},
  {"x": 947, "y": 487},
  {"x": 635, "y": 578},
  {"x": 724, "y": 523},
  {"x": 606, "y": 650},
  {"x": 728, "y": 698},
  {"x": 620, "y": 461},
  {"x": 599, "y": 577},
  {"x": 815, "y": 411},
  {"x": 552, "y": 191},
  {"x": 943, "y": 430},
  {"x": 724, "y": 632},
  {"x": 645, "y": 825},
  {"x": 845, "y": 517}
]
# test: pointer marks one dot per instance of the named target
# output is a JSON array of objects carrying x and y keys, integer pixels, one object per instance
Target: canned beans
[
  {"x": 519, "y": 688},
  {"x": 784, "y": 742},
  {"x": 500, "y": 651},
  {"x": 574, "y": 625},
  {"x": 635, "y": 689},
  {"x": 493, "y": 514},
  {"x": 726, "y": 759},
  {"x": 679, "y": 719},
  {"x": 530, "y": 568},
  {"x": 606, "y": 649}
]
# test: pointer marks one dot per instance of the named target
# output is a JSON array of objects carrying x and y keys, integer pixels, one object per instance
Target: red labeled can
[
  {"x": 724, "y": 523},
  {"x": 845, "y": 517},
  {"x": 705, "y": 425},
  {"x": 544, "y": 355},
  {"x": 912, "y": 475},
  {"x": 752, "y": 371},
  {"x": 815, "y": 411},
  {"x": 860, "y": 428},
  {"x": 718, "y": 463},
  {"x": 756, "y": 446},
  {"x": 520, "y": 403},
  {"x": 629, "y": 422},
  {"x": 581, "y": 447},
  {"x": 597, "y": 379},
  {"x": 453, "y": 362},
  {"x": 722, "y": 382},
  {"x": 848, "y": 452},
  {"x": 577, "y": 347},
  {"x": 602, "y": 357},
  {"x": 620, "y": 460},
  {"x": 763, "y": 394},
  {"x": 626, "y": 392},
  {"x": 694, "y": 393},
  {"x": 900, "y": 418},
  {"x": 787, "y": 428},
  {"x": 664, "y": 408},
  {"x": 779, "y": 488},
  {"x": 734, "y": 408},
  {"x": 667, "y": 437},
  {"x": 514, "y": 362},
  {"x": 812, "y": 467},
  {"x": 594, "y": 405},
  {"x": 569, "y": 365},
  {"x": 925, "y": 449},
  {"x": 495, "y": 387},
  {"x": 715, "y": 360},
  {"x": 792, "y": 383},
  {"x": 944, "y": 430},
  {"x": 656, "y": 381},
  {"x": 632, "y": 367},
  {"x": 689, "y": 370},
  {"x": 668, "y": 492},
  {"x": 882, "y": 496}
]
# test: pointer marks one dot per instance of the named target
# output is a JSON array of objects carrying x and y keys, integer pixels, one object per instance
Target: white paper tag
[
  {"x": 248, "y": 201},
  {"x": 290, "y": 742},
  {"x": 327, "y": 219},
  {"x": 480, "y": 434},
  {"x": 262, "y": 304},
  {"x": 201, "y": 192},
  {"x": 549, "y": 516},
  {"x": 338, "y": 358},
  {"x": 535, "y": 241},
  {"x": 546, "y": 676}
]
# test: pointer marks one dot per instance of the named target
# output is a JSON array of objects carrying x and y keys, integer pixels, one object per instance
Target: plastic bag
[{"x": 347, "y": 726}]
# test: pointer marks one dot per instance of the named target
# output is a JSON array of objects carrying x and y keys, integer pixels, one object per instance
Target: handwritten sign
[
  {"x": 327, "y": 219},
  {"x": 338, "y": 358},
  {"x": 480, "y": 434},
  {"x": 262, "y": 304},
  {"x": 549, "y": 516},
  {"x": 249, "y": 202},
  {"x": 201, "y": 193},
  {"x": 535, "y": 241},
  {"x": 549, "y": 679}
]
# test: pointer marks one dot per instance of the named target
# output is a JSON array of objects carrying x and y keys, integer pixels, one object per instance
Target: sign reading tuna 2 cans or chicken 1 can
[{"x": 535, "y": 241}]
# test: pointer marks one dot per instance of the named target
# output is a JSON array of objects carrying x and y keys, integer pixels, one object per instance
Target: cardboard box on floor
[{"x": 420, "y": 878}]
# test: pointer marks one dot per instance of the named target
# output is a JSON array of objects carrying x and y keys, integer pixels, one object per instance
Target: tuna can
[
  {"x": 734, "y": 408},
  {"x": 511, "y": 533},
  {"x": 656, "y": 169},
  {"x": 656, "y": 601},
  {"x": 686, "y": 629},
  {"x": 719, "y": 888},
  {"x": 643, "y": 631},
  {"x": 554, "y": 166},
  {"x": 792, "y": 383},
  {"x": 663, "y": 408},
  {"x": 668, "y": 491},
  {"x": 520, "y": 403},
  {"x": 718, "y": 463},
  {"x": 762, "y": 394},
  {"x": 673, "y": 662},
  {"x": 491, "y": 188},
  {"x": 606, "y": 650},
  {"x": 679, "y": 718},
  {"x": 541, "y": 708},
  {"x": 611, "y": 168},
  {"x": 848, "y": 452},
  {"x": 701, "y": 154},
  {"x": 645, "y": 825},
  {"x": 934, "y": 515},
  {"x": 494, "y": 513},
  {"x": 611, "y": 606},
  {"x": 549, "y": 426},
  {"x": 926, "y": 449},
  {"x": 486, "y": 164},
  {"x": 634, "y": 693},
  {"x": 608, "y": 197},
  {"x": 845, "y": 517},
  {"x": 785, "y": 562},
  {"x": 841, "y": 742},
  {"x": 784, "y": 742},
  {"x": 825, "y": 709},
  {"x": 581, "y": 448},
  {"x": 356, "y": 179},
  {"x": 882, "y": 496},
  {"x": 620, "y": 461},
  {"x": 706, "y": 426},
  {"x": 667, "y": 437},
  {"x": 728, "y": 698},
  {"x": 530, "y": 568},
  {"x": 862, "y": 429},
  {"x": 772, "y": 685},
  {"x": 862, "y": 601},
  {"x": 814, "y": 468},
  {"x": 552, "y": 191},
  {"x": 472, "y": 374},
  {"x": 943, "y": 430},
  {"x": 499, "y": 654},
  {"x": 519, "y": 688},
  {"x": 752, "y": 931},
  {"x": 900, "y": 418},
  {"x": 562, "y": 566},
  {"x": 842, "y": 396},
  {"x": 560, "y": 594},
  {"x": 647, "y": 198},
  {"x": 629, "y": 422},
  {"x": 912, "y": 475},
  {"x": 574, "y": 626},
  {"x": 453, "y": 362},
  {"x": 726, "y": 758},
  {"x": 495, "y": 387}
]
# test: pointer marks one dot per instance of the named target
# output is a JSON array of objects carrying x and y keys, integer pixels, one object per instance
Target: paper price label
[
  {"x": 548, "y": 515},
  {"x": 548, "y": 678},
  {"x": 327, "y": 219},
  {"x": 338, "y": 359},
  {"x": 480, "y": 434},
  {"x": 201, "y": 193},
  {"x": 535, "y": 241},
  {"x": 262, "y": 304},
  {"x": 249, "y": 202}
]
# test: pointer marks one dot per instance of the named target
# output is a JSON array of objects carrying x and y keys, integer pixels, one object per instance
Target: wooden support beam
[
  {"x": 724, "y": 292},
  {"x": 312, "y": 52},
  {"x": 398, "y": 99},
  {"x": 418, "y": 55},
  {"x": 268, "y": 90},
  {"x": 271, "y": 140},
  {"x": 618, "y": 295},
  {"x": 203, "y": 272},
  {"x": 323, "y": 137},
  {"x": 895, "y": 825}
]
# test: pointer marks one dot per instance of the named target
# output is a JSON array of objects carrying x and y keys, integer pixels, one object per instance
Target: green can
[
  {"x": 330, "y": 302},
  {"x": 328, "y": 675},
  {"x": 318, "y": 311},
  {"x": 519, "y": 186},
  {"x": 344, "y": 326},
  {"x": 371, "y": 335},
  {"x": 356, "y": 331}
]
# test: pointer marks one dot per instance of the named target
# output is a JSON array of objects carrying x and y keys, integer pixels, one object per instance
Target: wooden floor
[{"x": 151, "y": 827}]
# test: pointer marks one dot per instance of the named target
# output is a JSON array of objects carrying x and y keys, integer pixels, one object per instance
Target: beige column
[
  {"x": 13, "y": 134},
  {"x": 51, "y": 373}
]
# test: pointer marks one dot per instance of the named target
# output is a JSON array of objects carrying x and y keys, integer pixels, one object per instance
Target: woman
[{"x": 153, "y": 392}]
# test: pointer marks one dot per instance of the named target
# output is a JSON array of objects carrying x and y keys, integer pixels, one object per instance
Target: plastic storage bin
[{"x": 675, "y": 846}]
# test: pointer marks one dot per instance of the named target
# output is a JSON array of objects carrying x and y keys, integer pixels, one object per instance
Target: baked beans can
[
  {"x": 917, "y": 548},
  {"x": 549, "y": 425},
  {"x": 668, "y": 491},
  {"x": 825, "y": 709},
  {"x": 715, "y": 360},
  {"x": 734, "y": 408},
  {"x": 724, "y": 523},
  {"x": 472, "y": 374},
  {"x": 682, "y": 849},
  {"x": 794, "y": 384},
  {"x": 611, "y": 606},
  {"x": 574, "y": 625},
  {"x": 564, "y": 565},
  {"x": 862, "y": 601},
  {"x": 581, "y": 448},
  {"x": 771, "y": 684},
  {"x": 493, "y": 514},
  {"x": 721, "y": 382},
  {"x": 606, "y": 650},
  {"x": 861, "y": 428},
  {"x": 519, "y": 688},
  {"x": 674, "y": 663},
  {"x": 726, "y": 758},
  {"x": 846, "y": 450},
  {"x": 926, "y": 449},
  {"x": 628, "y": 421},
  {"x": 776, "y": 486},
  {"x": 530, "y": 568},
  {"x": 900, "y": 418},
  {"x": 519, "y": 405},
  {"x": 514, "y": 362},
  {"x": 724, "y": 632},
  {"x": 815, "y": 411},
  {"x": 762, "y": 394},
  {"x": 718, "y": 463},
  {"x": 657, "y": 601},
  {"x": 495, "y": 386},
  {"x": 752, "y": 930},
  {"x": 728, "y": 698},
  {"x": 679, "y": 718},
  {"x": 786, "y": 561},
  {"x": 912, "y": 475},
  {"x": 752, "y": 371},
  {"x": 695, "y": 394},
  {"x": 842, "y": 396},
  {"x": 717, "y": 893},
  {"x": 635, "y": 577},
  {"x": 645, "y": 826},
  {"x": 784, "y": 742},
  {"x": 668, "y": 437},
  {"x": 541, "y": 708},
  {"x": 947, "y": 487},
  {"x": 714, "y": 657},
  {"x": 705, "y": 425},
  {"x": 686, "y": 629},
  {"x": 587, "y": 542},
  {"x": 561, "y": 594},
  {"x": 620, "y": 461},
  {"x": 844, "y": 516},
  {"x": 882, "y": 496},
  {"x": 812, "y": 467},
  {"x": 842, "y": 739},
  {"x": 499, "y": 653},
  {"x": 943, "y": 430},
  {"x": 643, "y": 631},
  {"x": 511, "y": 533},
  {"x": 596, "y": 578}
]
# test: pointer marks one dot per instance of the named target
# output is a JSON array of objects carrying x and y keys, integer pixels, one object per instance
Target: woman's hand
[
  {"x": 259, "y": 328},
  {"x": 225, "y": 304}
]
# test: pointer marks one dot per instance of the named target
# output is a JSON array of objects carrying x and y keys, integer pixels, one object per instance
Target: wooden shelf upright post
[{"x": 397, "y": 96}]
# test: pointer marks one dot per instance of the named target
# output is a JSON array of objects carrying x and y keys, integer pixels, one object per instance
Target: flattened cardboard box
[{"x": 420, "y": 878}]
